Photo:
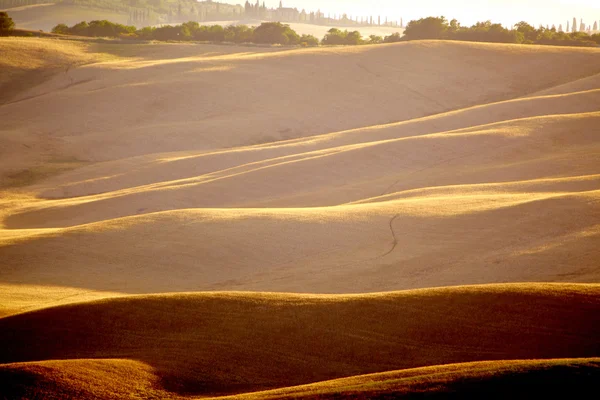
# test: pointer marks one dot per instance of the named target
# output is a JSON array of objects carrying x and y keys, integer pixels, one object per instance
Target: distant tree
[
  {"x": 105, "y": 28},
  {"x": 374, "y": 39},
  {"x": 393, "y": 38},
  {"x": 169, "y": 32},
  {"x": 62, "y": 29},
  {"x": 490, "y": 32},
  {"x": 238, "y": 34},
  {"x": 528, "y": 31},
  {"x": 453, "y": 27},
  {"x": 146, "y": 33},
  {"x": 275, "y": 33},
  {"x": 353, "y": 38},
  {"x": 309, "y": 40},
  {"x": 213, "y": 33},
  {"x": 427, "y": 28},
  {"x": 79, "y": 29},
  {"x": 334, "y": 37},
  {"x": 338, "y": 37},
  {"x": 6, "y": 23}
]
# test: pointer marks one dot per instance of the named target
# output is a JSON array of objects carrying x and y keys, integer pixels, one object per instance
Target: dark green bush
[
  {"x": 6, "y": 23},
  {"x": 338, "y": 37}
]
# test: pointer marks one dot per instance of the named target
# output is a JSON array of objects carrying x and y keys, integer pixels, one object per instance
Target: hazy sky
[{"x": 466, "y": 11}]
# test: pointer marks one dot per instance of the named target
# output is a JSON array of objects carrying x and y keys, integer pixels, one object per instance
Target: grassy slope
[
  {"x": 490, "y": 380},
  {"x": 425, "y": 192},
  {"x": 27, "y": 62},
  {"x": 124, "y": 379},
  {"x": 47, "y": 16},
  {"x": 161, "y": 104},
  {"x": 18, "y": 298},
  {"x": 486, "y": 188},
  {"x": 479, "y": 172},
  {"x": 235, "y": 342}
]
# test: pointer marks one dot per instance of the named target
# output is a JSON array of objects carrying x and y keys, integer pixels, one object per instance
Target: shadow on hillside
[
  {"x": 214, "y": 344},
  {"x": 21, "y": 81},
  {"x": 575, "y": 381}
]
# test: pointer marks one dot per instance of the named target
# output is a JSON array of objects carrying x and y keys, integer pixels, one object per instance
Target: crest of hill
[
  {"x": 490, "y": 380},
  {"x": 26, "y": 62},
  {"x": 193, "y": 341},
  {"x": 47, "y": 16}
]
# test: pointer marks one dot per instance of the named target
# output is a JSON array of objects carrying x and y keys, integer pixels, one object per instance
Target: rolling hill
[
  {"x": 144, "y": 186},
  {"x": 46, "y": 16},
  {"x": 218, "y": 343},
  {"x": 87, "y": 379},
  {"x": 370, "y": 206}
]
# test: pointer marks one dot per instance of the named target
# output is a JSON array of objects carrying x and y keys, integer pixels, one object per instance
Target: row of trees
[
  {"x": 266, "y": 33},
  {"x": 278, "y": 33},
  {"x": 338, "y": 37},
  {"x": 523, "y": 33},
  {"x": 96, "y": 29}
]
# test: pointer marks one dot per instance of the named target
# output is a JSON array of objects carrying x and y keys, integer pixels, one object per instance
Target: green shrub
[
  {"x": 337, "y": 37},
  {"x": 309, "y": 40},
  {"x": 393, "y": 38},
  {"x": 6, "y": 23},
  {"x": 275, "y": 33}
]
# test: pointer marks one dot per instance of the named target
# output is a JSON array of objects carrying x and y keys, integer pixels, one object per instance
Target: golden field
[
  {"x": 224, "y": 342},
  {"x": 165, "y": 209}
]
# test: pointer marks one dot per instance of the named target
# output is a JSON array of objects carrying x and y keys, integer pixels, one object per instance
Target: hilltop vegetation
[
  {"x": 278, "y": 33},
  {"x": 6, "y": 24},
  {"x": 523, "y": 33},
  {"x": 147, "y": 12}
]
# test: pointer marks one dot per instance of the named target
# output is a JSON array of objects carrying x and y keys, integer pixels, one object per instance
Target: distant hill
[{"x": 46, "y": 16}]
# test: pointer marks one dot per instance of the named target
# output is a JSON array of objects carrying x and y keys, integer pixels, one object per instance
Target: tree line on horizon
[
  {"x": 265, "y": 33},
  {"x": 278, "y": 33},
  {"x": 523, "y": 33},
  {"x": 437, "y": 28}
]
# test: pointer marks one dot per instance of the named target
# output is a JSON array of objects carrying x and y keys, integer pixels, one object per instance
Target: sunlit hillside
[
  {"x": 412, "y": 157},
  {"x": 46, "y": 16},
  {"x": 235, "y": 342},
  {"x": 153, "y": 197}
]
